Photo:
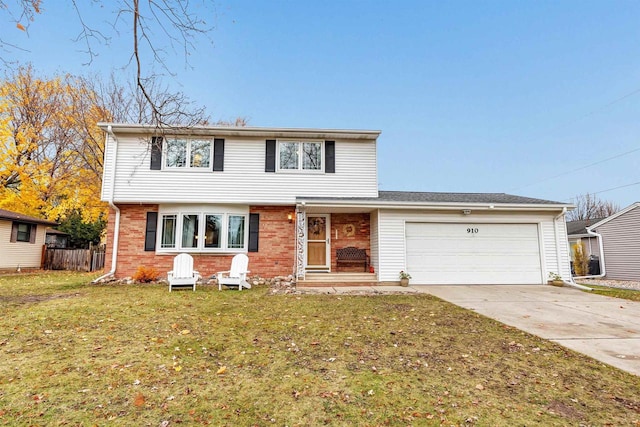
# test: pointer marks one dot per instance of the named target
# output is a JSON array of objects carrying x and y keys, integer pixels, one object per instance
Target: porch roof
[{"x": 411, "y": 199}]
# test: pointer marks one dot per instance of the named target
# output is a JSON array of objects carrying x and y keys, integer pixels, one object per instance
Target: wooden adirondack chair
[
  {"x": 183, "y": 275},
  {"x": 237, "y": 276}
]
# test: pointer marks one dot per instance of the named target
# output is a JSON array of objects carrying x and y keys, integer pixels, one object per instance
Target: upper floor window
[
  {"x": 294, "y": 155},
  {"x": 188, "y": 153}
]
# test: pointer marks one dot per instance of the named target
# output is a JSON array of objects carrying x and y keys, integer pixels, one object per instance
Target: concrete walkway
[{"x": 604, "y": 328}]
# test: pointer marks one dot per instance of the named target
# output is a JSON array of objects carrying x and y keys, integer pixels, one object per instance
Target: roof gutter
[{"x": 116, "y": 231}]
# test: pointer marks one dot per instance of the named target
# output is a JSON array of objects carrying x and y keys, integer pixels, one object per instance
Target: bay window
[{"x": 203, "y": 231}]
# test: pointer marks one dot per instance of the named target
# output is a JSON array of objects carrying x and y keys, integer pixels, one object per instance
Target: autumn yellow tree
[{"x": 47, "y": 165}]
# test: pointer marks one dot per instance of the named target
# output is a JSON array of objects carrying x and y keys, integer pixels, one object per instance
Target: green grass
[
  {"x": 629, "y": 294},
  {"x": 79, "y": 354}
]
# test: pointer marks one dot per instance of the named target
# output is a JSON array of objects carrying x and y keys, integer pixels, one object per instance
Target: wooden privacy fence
[{"x": 74, "y": 259}]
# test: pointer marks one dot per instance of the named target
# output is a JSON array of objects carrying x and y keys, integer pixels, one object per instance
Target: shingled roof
[
  {"x": 432, "y": 197},
  {"x": 14, "y": 216},
  {"x": 410, "y": 196},
  {"x": 580, "y": 227}
]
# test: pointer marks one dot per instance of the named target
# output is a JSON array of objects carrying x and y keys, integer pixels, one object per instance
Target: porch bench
[{"x": 352, "y": 255}]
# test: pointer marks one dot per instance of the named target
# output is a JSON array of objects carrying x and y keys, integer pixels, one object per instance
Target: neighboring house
[
  {"x": 577, "y": 232},
  {"x": 22, "y": 238},
  {"x": 620, "y": 235},
  {"x": 56, "y": 239},
  {"x": 290, "y": 198}
]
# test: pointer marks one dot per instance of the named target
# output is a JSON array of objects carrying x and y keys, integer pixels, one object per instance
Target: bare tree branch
[
  {"x": 159, "y": 27},
  {"x": 588, "y": 206}
]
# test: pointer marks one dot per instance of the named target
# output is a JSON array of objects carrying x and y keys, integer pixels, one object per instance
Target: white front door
[
  {"x": 467, "y": 253},
  {"x": 318, "y": 242}
]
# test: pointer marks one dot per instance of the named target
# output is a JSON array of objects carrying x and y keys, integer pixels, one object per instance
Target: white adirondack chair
[
  {"x": 237, "y": 276},
  {"x": 183, "y": 275}
]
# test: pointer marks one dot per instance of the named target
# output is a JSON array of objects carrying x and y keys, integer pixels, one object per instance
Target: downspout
[
  {"x": 116, "y": 230},
  {"x": 603, "y": 270},
  {"x": 570, "y": 282}
]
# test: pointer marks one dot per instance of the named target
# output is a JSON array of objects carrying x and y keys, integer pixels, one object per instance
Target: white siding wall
[
  {"x": 374, "y": 240},
  {"x": 392, "y": 237},
  {"x": 621, "y": 245},
  {"x": 24, "y": 254},
  {"x": 243, "y": 180},
  {"x": 555, "y": 243}
]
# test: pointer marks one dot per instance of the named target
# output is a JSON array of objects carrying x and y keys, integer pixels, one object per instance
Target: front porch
[{"x": 324, "y": 232}]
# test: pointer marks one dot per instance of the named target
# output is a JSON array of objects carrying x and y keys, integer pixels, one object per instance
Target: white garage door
[{"x": 445, "y": 253}]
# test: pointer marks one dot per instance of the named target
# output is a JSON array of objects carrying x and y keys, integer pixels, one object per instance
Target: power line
[
  {"x": 610, "y": 189},
  {"x": 584, "y": 116},
  {"x": 577, "y": 169}
]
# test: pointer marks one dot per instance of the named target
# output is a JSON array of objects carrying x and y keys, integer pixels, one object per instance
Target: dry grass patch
[
  {"x": 629, "y": 294},
  {"x": 139, "y": 355}
]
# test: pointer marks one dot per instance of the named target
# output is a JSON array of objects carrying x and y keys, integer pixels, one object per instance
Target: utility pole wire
[
  {"x": 577, "y": 169},
  {"x": 610, "y": 189}
]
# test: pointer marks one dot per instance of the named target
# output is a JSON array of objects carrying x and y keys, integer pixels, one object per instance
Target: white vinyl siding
[
  {"x": 557, "y": 257},
  {"x": 374, "y": 249},
  {"x": 244, "y": 179},
  {"x": 392, "y": 250},
  {"x": 621, "y": 245},
  {"x": 23, "y": 254}
]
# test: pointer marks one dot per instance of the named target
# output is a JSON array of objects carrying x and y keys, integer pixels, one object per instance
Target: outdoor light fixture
[
  {"x": 290, "y": 217},
  {"x": 466, "y": 211}
]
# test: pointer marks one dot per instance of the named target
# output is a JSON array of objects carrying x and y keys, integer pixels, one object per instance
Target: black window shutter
[
  {"x": 218, "y": 154},
  {"x": 150, "y": 232},
  {"x": 254, "y": 228},
  {"x": 32, "y": 233},
  {"x": 270, "y": 157},
  {"x": 14, "y": 232},
  {"x": 330, "y": 157},
  {"x": 156, "y": 153}
]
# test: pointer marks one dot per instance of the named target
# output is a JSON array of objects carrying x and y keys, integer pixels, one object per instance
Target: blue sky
[{"x": 470, "y": 96}]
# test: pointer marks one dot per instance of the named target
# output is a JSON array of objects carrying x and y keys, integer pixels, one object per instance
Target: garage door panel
[{"x": 448, "y": 253}]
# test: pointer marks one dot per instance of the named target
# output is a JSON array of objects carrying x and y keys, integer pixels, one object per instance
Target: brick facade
[
  {"x": 275, "y": 256},
  {"x": 342, "y": 226}
]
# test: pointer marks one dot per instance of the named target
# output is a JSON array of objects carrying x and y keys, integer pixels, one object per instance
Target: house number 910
[{"x": 472, "y": 230}]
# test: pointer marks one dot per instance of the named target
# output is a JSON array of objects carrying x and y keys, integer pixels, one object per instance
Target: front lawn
[
  {"x": 630, "y": 294},
  {"x": 79, "y": 354}
]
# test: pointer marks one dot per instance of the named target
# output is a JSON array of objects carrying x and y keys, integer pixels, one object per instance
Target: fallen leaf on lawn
[
  {"x": 222, "y": 370},
  {"x": 139, "y": 400},
  {"x": 177, "y": 368},
  {"x": 48, "y": 331},
  {"x": 185, "y": 332},
  {"x": 480, "y": 387}
]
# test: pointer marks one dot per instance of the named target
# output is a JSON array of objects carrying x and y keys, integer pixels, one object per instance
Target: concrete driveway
[{"x": 606, "y": 329}]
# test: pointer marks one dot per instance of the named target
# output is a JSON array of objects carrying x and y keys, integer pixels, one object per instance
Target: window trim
[
  {"x": 188, "y": 153},
  {"x": 300, "y": 168},
  {"x": 30, "y": 236},
  {"x": 202, "y": 214}
]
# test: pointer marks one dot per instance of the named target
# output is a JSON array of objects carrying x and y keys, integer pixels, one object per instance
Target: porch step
[{"x": 333, "y": 279}]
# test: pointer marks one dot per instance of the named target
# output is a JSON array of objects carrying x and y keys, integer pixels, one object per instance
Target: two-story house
[{"x": 290, "y": 198}]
